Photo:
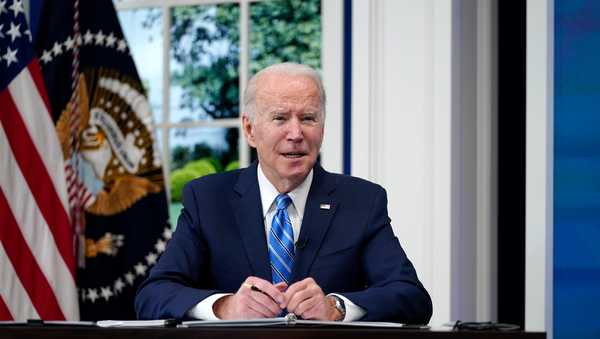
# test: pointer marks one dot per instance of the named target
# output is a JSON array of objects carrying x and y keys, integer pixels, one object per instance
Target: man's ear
[{"x": 248, "y": 129}]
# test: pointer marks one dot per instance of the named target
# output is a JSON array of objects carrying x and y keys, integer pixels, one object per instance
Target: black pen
[{"x": 256, "y": 289}]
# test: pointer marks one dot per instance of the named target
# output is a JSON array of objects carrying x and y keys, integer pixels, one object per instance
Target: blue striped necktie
[{"x": 281, "y": 242}]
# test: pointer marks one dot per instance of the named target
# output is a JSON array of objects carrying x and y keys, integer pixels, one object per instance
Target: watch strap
[{"x": 340, "y": 305}]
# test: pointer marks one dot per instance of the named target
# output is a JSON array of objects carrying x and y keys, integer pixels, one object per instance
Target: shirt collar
[{"x": 268, "y": 192}]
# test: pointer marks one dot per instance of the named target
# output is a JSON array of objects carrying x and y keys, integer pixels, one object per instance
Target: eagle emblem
[{"x": 119, "y": 161}]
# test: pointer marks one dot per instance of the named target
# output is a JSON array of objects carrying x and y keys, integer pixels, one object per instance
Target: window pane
[
  {"x": 174, "y": 212},
  {"x": 287, "y": 30},
  {"x": 142, "y": 29},
  {"x": 158, "y": 133},
  {"x": 196, "y": 152},
  {"x": 204, "y": 62}
]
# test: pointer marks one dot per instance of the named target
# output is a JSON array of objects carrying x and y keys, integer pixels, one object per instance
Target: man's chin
[{"x": 297, "y": 170}]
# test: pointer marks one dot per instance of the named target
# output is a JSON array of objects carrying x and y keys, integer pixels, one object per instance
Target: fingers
[
  {"x": 308, "y": 308},
  {"x": 262, "y": 297},
  {"x": 266, "y": 288},
  {"x": 292, "y": 290},
  {"x": 281, "y": 286},
  {"x": 304, "y": 296},
  {"x": 256, "y": 298},
  {"x": 259, "y": 308},
  {"x": 266, "y": 302},
  {"x": 295, "y": 299}
]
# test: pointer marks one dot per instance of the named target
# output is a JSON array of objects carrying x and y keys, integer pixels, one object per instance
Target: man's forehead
[
  {"x": 278, "y": 81},
  {"x": 286, "y": 87},
  {"x": 282, "y": 96},
  {"x": 285, "y": 104}
]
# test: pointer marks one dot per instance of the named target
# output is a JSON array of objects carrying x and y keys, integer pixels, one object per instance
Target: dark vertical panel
[
  {"x": 511, "y": 161},
  {"x": 347, "y": 104},
  {"x": 35, "y": 9}
]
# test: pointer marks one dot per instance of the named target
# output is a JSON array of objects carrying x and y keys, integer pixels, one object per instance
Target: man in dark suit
[{"x": 284, "y": 235}]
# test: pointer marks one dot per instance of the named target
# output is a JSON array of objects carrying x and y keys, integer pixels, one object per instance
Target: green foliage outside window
[
  {"x": 190, "y": 171},
  {"x": 196, "y": 169},
  {"x": 285, "y": 30},
  {"x": 232, "y": 166},
  {"x": 205, "y": 41}
]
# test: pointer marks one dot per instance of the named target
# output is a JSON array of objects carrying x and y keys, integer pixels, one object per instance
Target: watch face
[{"x": 339, "y": 304}]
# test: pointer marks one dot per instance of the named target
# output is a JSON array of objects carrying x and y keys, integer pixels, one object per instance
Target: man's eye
[
  {"x": 278, "y": 118},
  {"x": 310, "y": 118}
]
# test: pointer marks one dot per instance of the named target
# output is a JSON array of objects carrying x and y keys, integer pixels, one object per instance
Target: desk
[{"x": 252, "y": 333}]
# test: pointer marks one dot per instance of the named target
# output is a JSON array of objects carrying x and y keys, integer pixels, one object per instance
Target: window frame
[
  {"x": 165, "y": 125},
  {"x": 331, "y": 36}
]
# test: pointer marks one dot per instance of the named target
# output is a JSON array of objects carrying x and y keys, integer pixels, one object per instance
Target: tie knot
[{"x": 282, "y": 201}]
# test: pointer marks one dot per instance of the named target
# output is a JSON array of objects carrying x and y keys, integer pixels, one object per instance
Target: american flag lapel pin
[{"x": 325, "y": 206}]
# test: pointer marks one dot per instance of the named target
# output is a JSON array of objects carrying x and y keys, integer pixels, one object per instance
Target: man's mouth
[{"x": 293, "y": 155}]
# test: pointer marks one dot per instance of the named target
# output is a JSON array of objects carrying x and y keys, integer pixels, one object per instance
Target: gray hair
[{"x": 288, "y": 68}]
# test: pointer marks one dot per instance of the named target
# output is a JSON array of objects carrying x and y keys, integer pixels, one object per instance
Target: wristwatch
[{"x": 339, "y": 305}]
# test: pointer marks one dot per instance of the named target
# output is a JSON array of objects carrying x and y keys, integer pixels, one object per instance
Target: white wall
[
  {"x": 422, "y": 115},
  {"x": 332, "y": 55},
  {"x": 539, "y": 173}
]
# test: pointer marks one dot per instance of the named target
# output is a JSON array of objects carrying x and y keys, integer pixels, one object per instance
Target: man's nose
[{"x": 295, "y": 130}]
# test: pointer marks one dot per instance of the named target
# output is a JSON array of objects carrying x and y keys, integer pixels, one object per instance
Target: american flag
[{"x": 37, "y": 262}]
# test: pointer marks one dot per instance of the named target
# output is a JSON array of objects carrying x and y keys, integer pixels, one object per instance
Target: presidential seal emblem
[{"x": 119, "y": 162}]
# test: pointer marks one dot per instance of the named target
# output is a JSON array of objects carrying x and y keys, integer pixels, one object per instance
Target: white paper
[{"x": 135, "y": 323}]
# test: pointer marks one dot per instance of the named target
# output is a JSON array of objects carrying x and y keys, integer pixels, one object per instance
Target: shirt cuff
[
  {"x": 204, "y": 309},
  {"x": 353, "y": 311}
]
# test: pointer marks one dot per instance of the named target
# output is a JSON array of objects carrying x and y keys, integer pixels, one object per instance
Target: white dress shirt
[{"x": 268, "y": 193}]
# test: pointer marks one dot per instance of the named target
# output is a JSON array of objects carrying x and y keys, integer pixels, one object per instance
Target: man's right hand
[{"x": 247, "y": 303}]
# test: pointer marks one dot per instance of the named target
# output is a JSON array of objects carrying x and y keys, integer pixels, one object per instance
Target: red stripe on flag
[
  {"x": 36, "y": 74},
  {"x": 38, "y": 179},
  {"x": 86, "y": 198},
  {"x": 29, "y": 273},
  {"x": 4, "y": 312}
]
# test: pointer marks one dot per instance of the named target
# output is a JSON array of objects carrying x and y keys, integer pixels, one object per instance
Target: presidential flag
[
  {"x": 37, "y": 262},
  {"x": 106, "y": 132}
]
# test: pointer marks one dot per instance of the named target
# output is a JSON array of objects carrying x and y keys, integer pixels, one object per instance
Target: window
[{"x": 194, "y": 58}]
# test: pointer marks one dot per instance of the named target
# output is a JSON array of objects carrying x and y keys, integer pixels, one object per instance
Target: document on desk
[
  {"x": 289, "y": 321},
  {"x": 47, "y": 323},
  {"x": 137, "y": 323}
]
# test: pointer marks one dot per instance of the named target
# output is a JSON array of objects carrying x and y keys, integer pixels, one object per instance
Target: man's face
[{"x": 287, "y": 130}]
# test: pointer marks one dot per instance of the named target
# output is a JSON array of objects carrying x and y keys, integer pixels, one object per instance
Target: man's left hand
[{"x": 307, "y": 300}]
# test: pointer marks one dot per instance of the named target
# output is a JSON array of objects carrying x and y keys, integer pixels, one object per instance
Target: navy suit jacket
[{"x": 348, "y": 248}]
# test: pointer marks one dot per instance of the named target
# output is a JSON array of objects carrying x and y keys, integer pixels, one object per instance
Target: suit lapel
[
  {"x": 247, "y": 209},
  {"x": 318, "y": 213}
]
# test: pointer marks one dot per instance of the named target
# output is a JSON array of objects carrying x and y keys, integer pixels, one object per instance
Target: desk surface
[{"x": 250, "y": 333}]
